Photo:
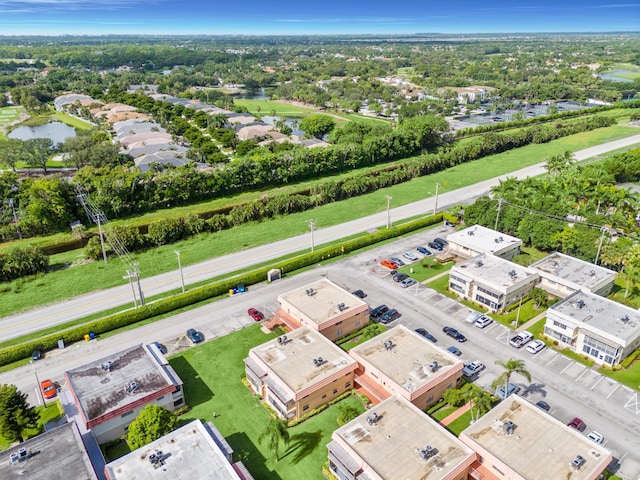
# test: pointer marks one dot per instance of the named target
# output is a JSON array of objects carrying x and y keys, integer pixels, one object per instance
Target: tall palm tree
[
  {"x": 274, "y": 433},
  {"x": 481, "y": 403},
  {"x": 511, "y": 366}
]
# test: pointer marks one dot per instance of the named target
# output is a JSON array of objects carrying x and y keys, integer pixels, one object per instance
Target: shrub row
[
  {"x": 199, "y": 294},
  {"x": 22, "y": 261}
]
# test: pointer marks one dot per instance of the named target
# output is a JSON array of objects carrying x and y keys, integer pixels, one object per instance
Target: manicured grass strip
[{"x": 72, "y": 121}]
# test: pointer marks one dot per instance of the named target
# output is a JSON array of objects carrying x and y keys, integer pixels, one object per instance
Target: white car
[
  {"x": 483, "y": 321},
  {"x": 535, "y": 346},
  {"x": 596, "y": 437},
  {"x": 472, "y": 369},
  {"x": 472, "y": 317},
  {"x": 410, "y": 256}
]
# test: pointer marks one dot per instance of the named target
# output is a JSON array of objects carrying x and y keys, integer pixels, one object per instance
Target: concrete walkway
[
  {"x": 533, "y": 321},
  {"x": 458, "y": 413}
]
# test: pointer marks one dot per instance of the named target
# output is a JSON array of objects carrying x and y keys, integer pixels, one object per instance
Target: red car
[
  {"x": 256, "y": 314},
  {"x": 48, "y": 389}
]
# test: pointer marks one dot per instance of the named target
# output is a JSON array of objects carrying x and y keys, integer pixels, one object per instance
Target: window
[
  {"x": 178, "y": 388},
  {"x": 159, "y": 399},
  {"x": 335, "y": 390},
  {"x": 338, "y": 333},
  {"x": 130, "y": 412},
  {"x": 457, "y": 279},
  {"x": 178, "y": 402},
  {"x": 558, "y": 324},
  {"x": 358, "y": 323},
  {"x": 306, "y": 407},
  {"x": 324, "y": 396},
  {"x": 347, "y": 385}
]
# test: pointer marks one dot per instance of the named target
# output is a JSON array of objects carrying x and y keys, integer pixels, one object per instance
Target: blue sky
[{"x": 255, "y": 17}]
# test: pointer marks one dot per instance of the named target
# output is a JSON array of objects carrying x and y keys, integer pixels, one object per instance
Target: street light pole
[
  {"x": 177, "y": 252},
  {"x": 435, "y": 206},
  {"x": 312, "y": 226},
  {"x": 389, "y": 211}
]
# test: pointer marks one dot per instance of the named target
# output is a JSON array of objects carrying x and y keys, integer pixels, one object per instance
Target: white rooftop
[
  {"x": 566, "y": 267},
  {"x": 494, "y": 271},
  {"x": 484, "y": 240}
]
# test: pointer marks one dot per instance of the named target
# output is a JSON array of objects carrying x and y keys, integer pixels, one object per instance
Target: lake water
[
  {"x": 58, "y": 132},
  {"x": 614, "y": 75},
  {"x": 252, "y": 95},
  {"x": 289, "y": 121}
]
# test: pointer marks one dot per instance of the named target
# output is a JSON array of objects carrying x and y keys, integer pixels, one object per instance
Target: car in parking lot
[
  {"x": 511, "y": 389},
  {"x": 577, "y": 424},
  {"x": 389, "y": 264},
  {"x": 472, "y": 317},
  {"x": 163, "y": 350},
  {"x": 521, "y": 339},
  {"x": 483, "y": 321},
  {"x": 194, "y": 335},
  {"x": 434, "y": 246},
  {"x": 397, "y": 261},
  {"x": 48, "y": 389},
  {"x": 535, "y": 346},
  {"x": 256, "y": 314},
  {"x": 423, "y": 250},
  {"x": 378, "y": 311},
  {"x": 441, "y": 241},
  {"x": 389, "y": 316},
  {"x": 359, "y": 293},
  {"x": 407, "y": 282},
  {"x": 543, "y": 405},
  {"x": 596, "y": 437},
  {"x": 36, "y": 355},
  {"x": 399, "y": 277},
  {"x": 455, "y": 334},
  {"x": 472, "y": 369},
  {"x": 455, "y": 351},
  {"x": 410, "y": 256},
  {"x": 425, "y": 334}
]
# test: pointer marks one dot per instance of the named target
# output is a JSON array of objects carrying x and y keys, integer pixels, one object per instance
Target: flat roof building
[
  {"x": 194, "y": 450},
  {"x": 325, "y": 307},
  {"x": 491, "y": 281},
  {"x": 110, "y": 392},
  {"x": 518, "y": 441},
  {"x": 477, "y": 239},
  {"x": 52, "y": 455},
  {"x": 592, "y": 325},
  {"x": 299, "y": 371},
  {"x": 561, "y": 275},
  {"x": 399, "y": 361},
  {"x": 395, "y": 440}
]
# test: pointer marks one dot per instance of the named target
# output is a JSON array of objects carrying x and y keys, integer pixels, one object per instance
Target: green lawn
[
  {"x": 72, "y": 121},
  {"x": 459, "y": 424},
  {"x": 212, "y": 374},
  {"x": 281, "y": 109},
  {"x": 421, "y": 273}
]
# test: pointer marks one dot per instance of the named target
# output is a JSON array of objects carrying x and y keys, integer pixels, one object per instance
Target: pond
[
  {"x": 252, "y": 95},
  {"x": 614, "y": 75},
  {"x": 292, "y": 122},
  {"x": 58, "y": 132}
]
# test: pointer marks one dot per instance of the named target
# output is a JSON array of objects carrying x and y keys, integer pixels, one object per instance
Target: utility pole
[
  {"x": 389, "y": 197},
  {"x": 177, "y": 252},
  {"x": 104, "y": 251},
  {"x": 130, "y": 276},
  {"x": 498, "y": 214},
  {"x": 312, "y": 226},
  {"x": 137, "y": 274},
  {"x": 435, "y": 206},
  {"x": 15, "y": 218},
  {"x": 603, "y": 230}
]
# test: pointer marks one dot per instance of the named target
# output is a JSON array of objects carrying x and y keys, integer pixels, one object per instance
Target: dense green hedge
[{"x": 199, "y": 294}]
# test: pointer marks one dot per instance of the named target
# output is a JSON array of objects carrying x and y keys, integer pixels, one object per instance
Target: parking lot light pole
[
  {"x": 177, "y": 252},
  {"x": 389, "y": 197},
  {"x": 312, "y": 226},
  {"x": 435, "y": 205}
]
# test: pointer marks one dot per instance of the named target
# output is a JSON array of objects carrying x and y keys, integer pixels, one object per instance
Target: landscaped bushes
[{"x": 22, "y": 261}]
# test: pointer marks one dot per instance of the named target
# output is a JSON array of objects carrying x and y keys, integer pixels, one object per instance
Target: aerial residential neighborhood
[{"x": 337, "y": 241}]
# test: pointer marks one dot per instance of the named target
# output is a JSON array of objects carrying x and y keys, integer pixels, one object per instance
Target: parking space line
[
  {"x": 597, "y": 382},
  {"x": 582, "y": 374},
  {"x": 551, "y": 361},
  {"x": 633, "y": 402},
  {"x": 567, "y": 367},
  {"x": 612, "y": 391}
]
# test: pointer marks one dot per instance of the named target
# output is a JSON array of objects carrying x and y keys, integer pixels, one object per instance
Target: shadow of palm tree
[
  {"x": 302, "y": 444},
  {"x": 535, "y": 388}
]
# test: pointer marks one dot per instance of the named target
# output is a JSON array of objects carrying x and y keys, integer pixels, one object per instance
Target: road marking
[
  {"x": 633, "y": 402},
  {"x": 567, "y": 367},
  {"x": 612, "y": 391},
  {"x": 582, "y": 374},
  {"x": 551, "y": 361},
  {"x": 596, "y": 384}
]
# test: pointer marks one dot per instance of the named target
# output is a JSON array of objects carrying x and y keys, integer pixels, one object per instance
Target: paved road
[{"x": 84, "y": 305}]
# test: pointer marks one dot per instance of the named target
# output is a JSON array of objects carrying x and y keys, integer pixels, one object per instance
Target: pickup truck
[{"x": 521, "y": 339}]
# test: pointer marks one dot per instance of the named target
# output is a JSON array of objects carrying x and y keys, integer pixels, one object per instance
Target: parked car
[
  {"x": 455, "y": 334},
  {"x": 455, "y": 351},
  {"x": 256, "y": 314},
  {"x": 389, "y": 264},
  {"x": 543, "y": 405},
  {"x": 441, "y": 241},
  {"x": 472, "y": 369},
  {"x": 535, "y": 346},
  {"x": 520, "y": 339},
  {"x": 378, "y": 311},
  {"x": 36, "y": 355},
  {"x": 423, "y": 251},
  {"x": 161, "y": 347},
  {"x": 48, "y": 389},
  {"x": 194, "y": 335},
  {"x": 410, "y": 256},
  {"x": 483, "y": 321},
  {"x": 511, "y": 389},
  {"x": 399, "y": 277},
  {"x": 407, "y": 282},
  {"x": 359, "y": 293},
  {"x": 397, "y": 261},
  {"x": 425, "y": 334},
  {"x": 596, "y": 437},
  {"x": 389, "y": 316},
  {"x": 577, "y": 424},
  {"x": 472, "y": 317},
  {"x": 434, "y": 246}
]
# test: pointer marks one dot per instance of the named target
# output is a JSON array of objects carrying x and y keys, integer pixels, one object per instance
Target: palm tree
[
  {"x": 511, "y": 366},
  {"x": 481, "y": 403},
  {"x": 275, "y": 432}
]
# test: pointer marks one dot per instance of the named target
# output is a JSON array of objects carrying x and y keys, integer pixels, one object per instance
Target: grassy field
[
  {"x": 67, "y": 282},
  {"x": 632, "y": 75},
  {"x": 212, "y": 375},
  {"x": 421, "y": 273},
  {"x": 72, "y": 121}
]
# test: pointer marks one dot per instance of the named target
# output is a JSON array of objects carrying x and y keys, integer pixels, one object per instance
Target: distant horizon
[{"x": 332, "y": 17}]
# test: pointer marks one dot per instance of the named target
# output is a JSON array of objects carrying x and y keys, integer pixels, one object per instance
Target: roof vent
[
  {"x": 15, "y": 458},
  {"x": 592, "y": 273},
  {"x": 131, "y": 387},
  {"x": 388, "y": 345},
  {"x": 578, "y": 462},
  {"x": 427, "y": 452},
  {"x": 555, "y": 264},
  {"x": 479, "y": 263},
  {"x": 341, "y": 307},
  {"x": 373, "y": 419},
  {"x": 579, "y": 304},
  {"x": 282, "y": 340},
  {"x": 107, "y": 366},
  {"x": 433, "y": 366},
  {"x": 509, "y": 427},
  {"x": 625, "y": 318},
  {"x": 512, "y": 273},
  {"x": 471, "y": 233},
  {"x": 309, "y": 292},
  {"x": 318, "y": 362},
  {"x": 157, "y": 459}
]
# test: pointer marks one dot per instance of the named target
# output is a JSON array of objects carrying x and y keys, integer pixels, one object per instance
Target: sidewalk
[
  {"x": 533, "y": 321},
  {"x": 458, "y": 413}
]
